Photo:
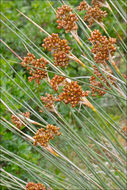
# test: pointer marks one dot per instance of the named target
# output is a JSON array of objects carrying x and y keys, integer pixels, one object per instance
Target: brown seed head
[
  {"x": 72, "y": 93},
  {"x": 98, "y": 3},
  {"x": 59, "y": 49},
  {"x": 83, "y": 6},
  {"x": 35, "y": 186},
  {"x": 35, "y": 71},
  {"x": 66, "y": 19},
  {"x": 54, "y": 44},
  {"x": 44, "y": 135},
  {"x": 17, "y": 122},
  {"x": 48, "y": 101},
  {"x": 94, "y": 13},
  {"x": 102, "y": 47},
  {"x": 56, "y": 81}
]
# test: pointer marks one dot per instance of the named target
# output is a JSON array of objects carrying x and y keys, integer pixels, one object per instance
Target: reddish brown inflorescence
[
  {"x": 61, "y": 59},
  {"x": 35, "y": 186},
  {"x": 102, "y": 47},
  {"x": 17, "y": 122},
  {"x": 98, "y": 3},
  {"x": 94, "y": 14},
  {"x": 83, "y": 6},
  {"x": 49, "y": 101},
  {"x": 58, "y": 48},
  {"x": 34, "y": 67},
  {"x": 96, "y": 83},
  {"x": 72, "y": 93},
  {"x": 66, "y": 19},
  {"x": 56, "y": 82},
  {"x": 44, "y": 135}
]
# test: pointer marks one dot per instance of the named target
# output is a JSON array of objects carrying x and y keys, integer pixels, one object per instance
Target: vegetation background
[{"x": 41, "y": 13}]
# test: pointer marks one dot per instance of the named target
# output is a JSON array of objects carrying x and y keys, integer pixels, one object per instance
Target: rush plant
[{"x": 68, "y": 121}]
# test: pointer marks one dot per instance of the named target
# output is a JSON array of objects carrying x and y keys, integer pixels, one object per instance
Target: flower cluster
[
  {"x": 102, "y": 47},
  {"x": 59, "y": 49},
  {"x": 34, "y": 65},
  {"x": 95, "y": 83},
  {"x": 56, "y": 81},
  {"x": 98, "y": 3},
  {"x": 83, "y": 6},
  {"x": 44, "y": 135},
  {"x": 72, "y": 93},
  {"x": 94, "y": 14},
  {"x": 61, "y": 59},
  {"x": 17, "y": 122},
  {"x": 66, "y": 19},
  {"x": 35, "y": 186},
  {"x": 49, "y": 101}
]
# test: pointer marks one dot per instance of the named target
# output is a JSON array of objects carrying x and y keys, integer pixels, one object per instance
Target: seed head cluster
[
  {"x": 35, "y": 186},
  {"x": 94, "y": 14},
  {"x": 83, "y": 6},
  {"x": 56, "y": 81},
  {"x": 34, "y": 65},
  {"x": 95, "y": 83},
  {"x": 72, "y": 93},
  {"x": 44, "y": 135},
  {"x": 66, "y": 19},
  {"x": 48, "y": 101},
  {"x": 59, "y": 49},
  {"x": 102, "y": 47},
  {"x": 17, "y": 122},
  {"x": 61, "y": 59},
  {"x": 98, "y": 3}
]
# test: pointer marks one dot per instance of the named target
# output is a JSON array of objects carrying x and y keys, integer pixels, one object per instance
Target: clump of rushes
[
  {"x": 49, "y": 101},
  {"x": 17, "y": 122},
  {"x": 98, "y": 3},
  {"x": 32, "y": 65},
  {"x": 72, "y": 93},
  {"x": 57, "y": 81},
  {"x": 66, "y": 19},
  {"x": 35, "y": 186},
  {"x": 58, "y": 48},
  {"x": 95, "y": 83},
  {"x": 83, "y": 6},
  {"x": 44, "y": 135},
  {"x": 94, "y": 14},
  {"x": 102, "y": 46}
]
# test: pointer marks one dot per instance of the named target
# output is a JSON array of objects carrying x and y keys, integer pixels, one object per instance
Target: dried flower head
[
  {"x": 95, "y": 83},
  {"x": 34, "y": 71},
  {"x": 72, "y": 93},
  {"x": 98, "y": 3},
  {"x": 56, "y": 81},
  {"x": 83, "y": 6},
  {"x": 94, "y": 14},
  {"x": 102, "y": 47},
  {"x": 44, "y": 135},
  {"x": 54, "y": 44},
  {"x": 17, "y": 122},
  {"x": 49, "y": 101},
  {"x": 66, "y": 19},
  {"x": 61, "y": 59},
  {"x": 35, "y": 186},
  {"x": 59, "y": 49}
]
